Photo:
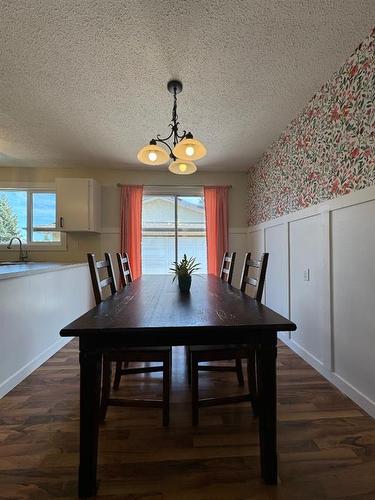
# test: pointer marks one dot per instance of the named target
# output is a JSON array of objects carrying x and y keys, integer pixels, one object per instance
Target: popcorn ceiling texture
[
  {"x": 83, "y": 82},
  {"x": 328, "y": 151}
]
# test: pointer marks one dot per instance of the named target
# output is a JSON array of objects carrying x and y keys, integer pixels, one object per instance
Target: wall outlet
[{"x": 306, "y": 274}]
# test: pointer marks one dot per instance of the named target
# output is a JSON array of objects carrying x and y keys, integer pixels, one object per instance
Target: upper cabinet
[{"x": 78, "y": 205}]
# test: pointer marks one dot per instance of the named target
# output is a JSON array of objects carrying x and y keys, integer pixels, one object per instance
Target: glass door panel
[
  {"x": 158, "y": 234},
  {"x": 191, "y": 229}
]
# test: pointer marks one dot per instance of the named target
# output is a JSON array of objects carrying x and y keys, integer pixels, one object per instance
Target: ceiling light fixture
[
  {"x": 182, "y": 167},
  {"x": 185, "y": 148}
]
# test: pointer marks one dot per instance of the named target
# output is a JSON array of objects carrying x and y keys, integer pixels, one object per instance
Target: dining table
[{"x": 151, "y": 311}]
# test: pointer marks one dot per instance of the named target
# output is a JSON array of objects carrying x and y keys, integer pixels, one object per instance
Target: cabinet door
[{"x": 73, "y": 200}]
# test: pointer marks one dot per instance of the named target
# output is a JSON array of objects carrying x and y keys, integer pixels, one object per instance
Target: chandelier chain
[{"x": 174, "y": 129}]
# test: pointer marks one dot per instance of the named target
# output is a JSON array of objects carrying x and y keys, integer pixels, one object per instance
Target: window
[
  {"x": 171, "y": 226},
  {"x": 29, "y": 214}
]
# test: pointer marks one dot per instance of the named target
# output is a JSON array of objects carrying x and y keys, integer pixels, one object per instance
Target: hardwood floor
[{"x": 326, "y": 443}]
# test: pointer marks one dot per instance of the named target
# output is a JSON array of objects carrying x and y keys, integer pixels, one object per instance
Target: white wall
[
  {"x": 33, "y": 310},
  {"x": 335, "y": 308}
]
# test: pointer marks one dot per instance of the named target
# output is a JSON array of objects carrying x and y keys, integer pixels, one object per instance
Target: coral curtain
[
  {"x": 216, "y": 210},
  {"x": 131, "y": 226}
]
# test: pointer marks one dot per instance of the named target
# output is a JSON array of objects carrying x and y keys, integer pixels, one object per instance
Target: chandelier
[{"x": 183, "y": 149}]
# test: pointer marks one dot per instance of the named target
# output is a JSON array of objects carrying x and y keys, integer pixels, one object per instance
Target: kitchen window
[
  {"x": 29, "y": 214},
  {"x": 172, "y": 225}
]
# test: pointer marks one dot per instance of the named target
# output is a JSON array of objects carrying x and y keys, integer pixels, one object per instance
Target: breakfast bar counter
[{"x": 16, "y": 269}]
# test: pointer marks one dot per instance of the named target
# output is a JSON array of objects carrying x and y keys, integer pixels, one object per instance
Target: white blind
[{"x": 174, "y": 190}]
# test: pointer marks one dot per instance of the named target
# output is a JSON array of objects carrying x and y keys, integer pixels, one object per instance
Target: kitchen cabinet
[{"x": 78, "y": 205}]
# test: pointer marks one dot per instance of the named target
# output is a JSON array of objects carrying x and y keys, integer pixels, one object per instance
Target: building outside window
[{"x": 172, "y": 225}]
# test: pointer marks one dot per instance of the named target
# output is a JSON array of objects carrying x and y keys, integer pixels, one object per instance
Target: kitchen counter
[{"x": 18, "y": 269}]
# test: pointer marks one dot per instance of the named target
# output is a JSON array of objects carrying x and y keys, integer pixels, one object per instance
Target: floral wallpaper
[{"x": 327, "y": 151}]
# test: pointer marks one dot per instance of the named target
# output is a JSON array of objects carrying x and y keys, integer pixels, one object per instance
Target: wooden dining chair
[
  {"x": 253, "y": 276},
  {"x": 226, "y": 274},
  {"x": 227, "y": 267},
  {"x": 139, "y": 354},
  {"x": 124, "y": 268}
]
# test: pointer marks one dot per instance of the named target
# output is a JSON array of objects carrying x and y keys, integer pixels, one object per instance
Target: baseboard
[
  {"x": 306, "y": 355},
  {"x": 32, "y": 365},
  {"x": 352, "y": 392},
  {"x": 357, "y": 396}
]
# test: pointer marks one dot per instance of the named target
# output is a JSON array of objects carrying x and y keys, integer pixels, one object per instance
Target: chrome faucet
[{"x": 23, "y": 255}]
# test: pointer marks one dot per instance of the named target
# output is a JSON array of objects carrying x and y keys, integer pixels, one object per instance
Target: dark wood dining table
[{"x": 151, "y": 311}]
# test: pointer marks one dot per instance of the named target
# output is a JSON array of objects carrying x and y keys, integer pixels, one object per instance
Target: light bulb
[
  {"x": 182, "y": 167},
  {"x": 152, "y": 156},
  {"x": 189, "y": 150}
]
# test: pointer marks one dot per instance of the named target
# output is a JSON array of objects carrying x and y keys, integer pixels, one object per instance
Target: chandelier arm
[
  {"x": 163, "y": 141},
  {"x": 166, "y": 138},
  {"x": 182, "y": 136}
]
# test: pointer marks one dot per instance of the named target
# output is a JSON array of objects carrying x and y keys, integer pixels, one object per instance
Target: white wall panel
[
  {"x": 33, "y": 310},
  {"x": 238, "y": 244},
  {"x": 276, "y": 293},
  {"x": 256, "y": 243},
  {"x": 276, "y": 244},
  {"x": 353, "y": 295},
  {"x": 306, "y": 296}
]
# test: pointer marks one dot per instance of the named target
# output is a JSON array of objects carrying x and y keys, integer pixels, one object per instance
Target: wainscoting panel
[
  {"x": 238, "y": 244},
  {"x": 256, "y": 242},
  {"x": 353, "y": 298},
  {"x": 306, "y": 284},
  {"x": 322, "y": 276},
  {"x": 276, "y": 290}
]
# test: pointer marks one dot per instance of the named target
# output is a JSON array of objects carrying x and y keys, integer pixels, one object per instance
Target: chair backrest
[
  {"x": 258, "y": 270},
  {"x": 124, "y": 268},
  {"x": 227, "y": 266},
  {"x": 98, "y": 284}
]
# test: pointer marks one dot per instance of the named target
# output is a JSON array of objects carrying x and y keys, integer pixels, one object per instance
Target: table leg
[
  {"x": 90, "y": 363},
  {"x": 266, "y": 369}
]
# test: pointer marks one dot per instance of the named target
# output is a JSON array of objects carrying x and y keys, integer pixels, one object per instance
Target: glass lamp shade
[
  {"x": 189, "y": 149},
  {"x": 182, "y": 167},
  {"x": 152, "y": 155}
]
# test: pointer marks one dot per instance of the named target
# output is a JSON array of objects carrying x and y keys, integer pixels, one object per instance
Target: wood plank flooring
[{"x": 326, "y": 443}]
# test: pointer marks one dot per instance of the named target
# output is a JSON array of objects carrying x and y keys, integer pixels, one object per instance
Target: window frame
[
  {"x": 31, "y": 188},
  {"x": 176, "y": 192}
]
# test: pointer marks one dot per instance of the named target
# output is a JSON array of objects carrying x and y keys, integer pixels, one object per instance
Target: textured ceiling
[{"x": 83, "y": 82}]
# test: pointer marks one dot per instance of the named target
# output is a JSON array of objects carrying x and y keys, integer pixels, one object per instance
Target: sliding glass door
[{"x": 171, "y": 226}]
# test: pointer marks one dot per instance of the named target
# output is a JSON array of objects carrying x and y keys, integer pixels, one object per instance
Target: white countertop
[{"x": 16, "y": 270}]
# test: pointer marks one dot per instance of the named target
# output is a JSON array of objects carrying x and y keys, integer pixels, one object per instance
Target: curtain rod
[{"x": 177, "y": 185}]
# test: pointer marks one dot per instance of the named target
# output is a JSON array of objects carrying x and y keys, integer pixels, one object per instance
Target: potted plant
[{"x": 183, "y": 271}]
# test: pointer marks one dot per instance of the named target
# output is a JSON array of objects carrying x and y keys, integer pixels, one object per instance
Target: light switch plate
[{"x": 306, "y": 274}]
